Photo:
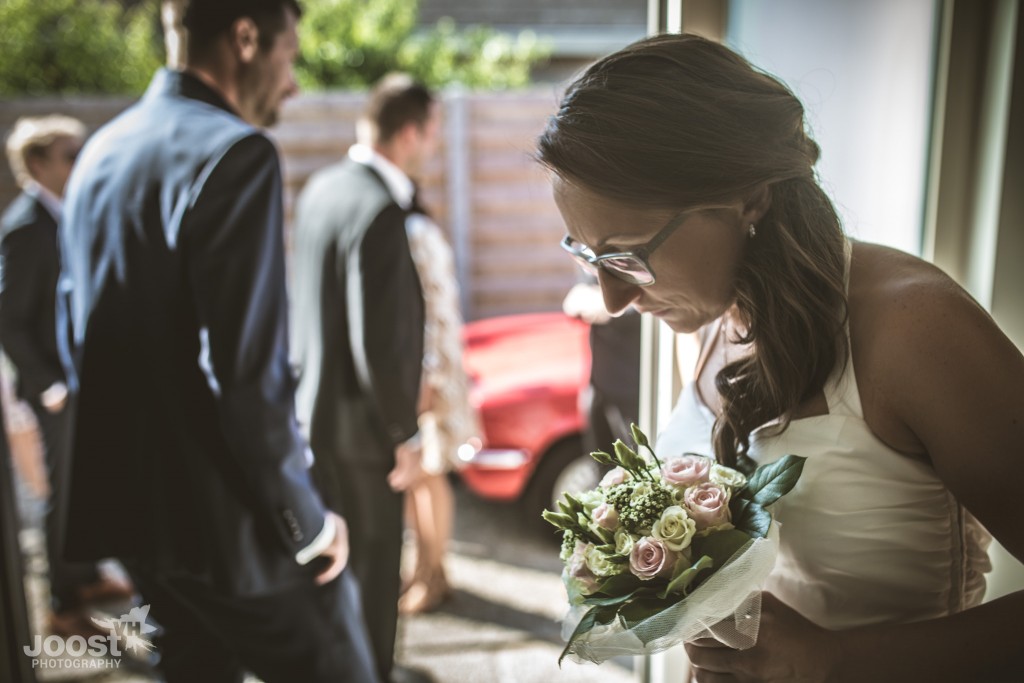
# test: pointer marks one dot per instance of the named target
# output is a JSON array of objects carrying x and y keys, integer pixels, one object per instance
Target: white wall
[{"x": 864, "y": 73}]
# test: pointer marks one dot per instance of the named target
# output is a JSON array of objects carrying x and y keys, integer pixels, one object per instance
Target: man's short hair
[
  {"x": 397, "y": 100},
  {"x": 32, "y": 136},
  {"x": 206, "y": 20}
]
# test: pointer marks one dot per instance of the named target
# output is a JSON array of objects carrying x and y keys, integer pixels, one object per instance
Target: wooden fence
[{"x": 483, "y": 186}]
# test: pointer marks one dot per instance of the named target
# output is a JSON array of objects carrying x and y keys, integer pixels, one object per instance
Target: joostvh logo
[{"x": 97, "y": 651}]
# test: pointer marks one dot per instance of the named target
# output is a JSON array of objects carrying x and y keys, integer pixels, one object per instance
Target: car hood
[{"x": 525, "y": 357}]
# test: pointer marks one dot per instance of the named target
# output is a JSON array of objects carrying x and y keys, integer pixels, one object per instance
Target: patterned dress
[{"x": 452, "y": 419}]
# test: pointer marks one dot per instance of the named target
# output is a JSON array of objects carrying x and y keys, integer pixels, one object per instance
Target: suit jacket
[
  {"x": 29, "y": 267},
  {"x": 358, "y": 323},
  {"x": 186, "y": 452}
]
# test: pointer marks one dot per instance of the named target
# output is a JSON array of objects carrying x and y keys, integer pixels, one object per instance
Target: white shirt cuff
[{"x": 322, "y": 541}]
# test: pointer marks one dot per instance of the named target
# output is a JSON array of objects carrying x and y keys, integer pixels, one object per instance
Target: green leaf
[
  {"x": 720, "y": 546},
  {"x": 612, "y": 599},
  {"x": 594, "y": 617},
  {"x": 638, "y": 610},
  {"x": 751, "y": 518},
  {"x": 774, "y": 480},
  {"x": 681, "y": 583},
  {"x": 618, "y": 584}
]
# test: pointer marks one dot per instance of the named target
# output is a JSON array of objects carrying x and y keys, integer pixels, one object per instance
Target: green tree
[
  {"x": 77, "y": 46},
  {"x": 352, "y": 43}
]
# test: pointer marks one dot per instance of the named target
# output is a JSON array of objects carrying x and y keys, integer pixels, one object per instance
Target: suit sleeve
[
  {"x": 386, "y": 313},
  {"x": 26, "y": 261},
  {"x": 234, "y": 255}
]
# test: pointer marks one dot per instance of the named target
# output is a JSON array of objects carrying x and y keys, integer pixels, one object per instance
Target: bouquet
[{"x": 663, "y": 553}]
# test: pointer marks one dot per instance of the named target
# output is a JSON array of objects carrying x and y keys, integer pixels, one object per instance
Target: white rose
[
  {"x": 624, "y": 541},
  {"x": 590, "y": 499},
  {"x": 601, "y": 565},
  {"x": 675, "y": 528},
  {"x": 727, "y": 476}
]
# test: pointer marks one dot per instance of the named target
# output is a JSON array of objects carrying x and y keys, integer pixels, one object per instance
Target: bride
[{"x": 686, "y": 180}]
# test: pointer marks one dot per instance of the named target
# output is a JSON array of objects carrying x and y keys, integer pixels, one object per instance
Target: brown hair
[
  {"x": 207, "y": 20},
  {"x": 676, "y": 121},
  {"x": 395, "y": 101}
]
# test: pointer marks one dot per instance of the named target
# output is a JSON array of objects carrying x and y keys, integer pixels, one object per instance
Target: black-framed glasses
[{"x": 630, "y": 266}]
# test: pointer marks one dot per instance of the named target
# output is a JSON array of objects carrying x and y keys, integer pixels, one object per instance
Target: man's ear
[
  {"x": 757, "y": 204},
  {"x": 245, "y": 39}
]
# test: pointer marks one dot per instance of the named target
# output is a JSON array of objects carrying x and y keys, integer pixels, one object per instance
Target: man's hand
[
  {"x": 337, "y": 552},
  {"x": 408, "y": 467}
]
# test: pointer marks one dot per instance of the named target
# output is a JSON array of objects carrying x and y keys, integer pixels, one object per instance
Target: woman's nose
[{"x": 618, "y": 294}]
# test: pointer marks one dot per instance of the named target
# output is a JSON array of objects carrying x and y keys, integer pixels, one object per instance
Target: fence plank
[{"x": 500, "y": 216}]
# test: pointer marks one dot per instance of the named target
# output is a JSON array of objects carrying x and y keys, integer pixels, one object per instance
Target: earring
[{"x": 752, "y": 231}]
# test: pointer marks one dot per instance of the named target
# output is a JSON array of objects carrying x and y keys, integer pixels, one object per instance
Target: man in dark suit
[
  {"x": 358, "y": 336},
  {"x": 185, "y": 443},
  {"x": 41, "y": 151}
]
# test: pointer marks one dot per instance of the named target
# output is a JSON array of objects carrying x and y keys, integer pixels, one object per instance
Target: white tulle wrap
[{"x": 726, "y": 607}]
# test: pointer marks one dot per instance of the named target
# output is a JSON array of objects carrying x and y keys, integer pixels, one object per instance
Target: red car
[{"x": 527, "y": 373}]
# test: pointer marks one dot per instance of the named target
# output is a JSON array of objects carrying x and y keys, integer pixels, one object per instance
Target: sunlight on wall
[{"x": 864, "y": 73}]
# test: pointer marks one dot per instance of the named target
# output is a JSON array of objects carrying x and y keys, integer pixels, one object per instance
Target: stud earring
[{"x": 752, "y": 231}]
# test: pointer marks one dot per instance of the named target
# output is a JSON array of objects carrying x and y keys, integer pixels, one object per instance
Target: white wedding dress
[{"x": 868, "y": 535}]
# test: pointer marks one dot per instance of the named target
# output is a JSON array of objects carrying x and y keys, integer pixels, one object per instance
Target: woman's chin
[{"x": 679, "y": 321}]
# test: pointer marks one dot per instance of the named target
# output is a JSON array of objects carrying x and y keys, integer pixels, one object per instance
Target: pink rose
[
  {"x": 650, "y": 558},
  {"x": 708, "y": 505},
  {"x": 686, "y": 470},
  {"x": 578, "y": 569},
  {"x": 613, "y": 477},
  {"x": 606, "y": 517}
]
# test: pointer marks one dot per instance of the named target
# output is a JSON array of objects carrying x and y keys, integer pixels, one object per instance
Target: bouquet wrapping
[{"x": 666, "y": 552}]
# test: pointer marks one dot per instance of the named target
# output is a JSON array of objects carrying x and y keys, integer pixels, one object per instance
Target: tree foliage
[
  {"x": 98, "y": 46},
  {"x": 352, "y": 43},
  {"x": 77, "y": 46}
]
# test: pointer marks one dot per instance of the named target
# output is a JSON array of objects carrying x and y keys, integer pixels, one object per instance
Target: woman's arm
[{"x": 937, "y": 378}]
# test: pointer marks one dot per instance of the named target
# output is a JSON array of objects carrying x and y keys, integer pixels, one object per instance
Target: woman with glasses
[{"x": 686, "y": 181}]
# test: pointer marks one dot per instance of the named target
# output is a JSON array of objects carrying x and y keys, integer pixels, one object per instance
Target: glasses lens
[{"x": 628, "y": 268}]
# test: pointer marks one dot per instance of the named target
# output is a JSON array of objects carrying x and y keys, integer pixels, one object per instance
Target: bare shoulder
[
  {"x": 938, "y": 379},
  {"x": 896, "y": 297},
  {"x": 915, "y": 332}
]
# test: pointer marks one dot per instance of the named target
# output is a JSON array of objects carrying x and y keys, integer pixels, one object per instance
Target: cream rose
[
  {"x": 624, "y": 541},
  {"x": 708, "y": 505},
  {"x": 727, "y": 476},
  {"x": 590, "y": 499},
  {"x": 600, "y": 564},
  {"x": 686, "y": 470},
  {"x": 675, "y": 528},
  {"x": 650, "y": 558}
]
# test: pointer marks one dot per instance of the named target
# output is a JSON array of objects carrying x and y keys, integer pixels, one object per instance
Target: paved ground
[{"x": 501, "y": 625}]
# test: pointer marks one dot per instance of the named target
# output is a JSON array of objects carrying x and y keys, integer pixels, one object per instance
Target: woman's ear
[{"x": 757, "y": 204}]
